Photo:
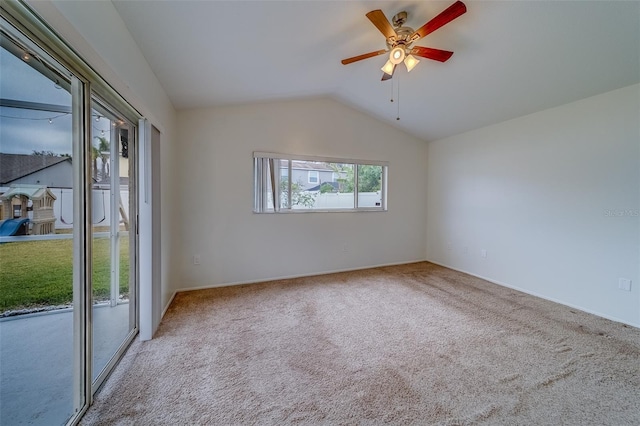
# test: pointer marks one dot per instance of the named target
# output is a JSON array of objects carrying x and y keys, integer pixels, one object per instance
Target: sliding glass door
[
  {"x": 38, "y": 382},
  {"x": 114, "y": 290},
  {"x": 68, "y": 240}
]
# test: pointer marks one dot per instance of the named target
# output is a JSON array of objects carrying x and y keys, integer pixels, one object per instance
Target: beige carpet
[{"x": 413, "y": 344}]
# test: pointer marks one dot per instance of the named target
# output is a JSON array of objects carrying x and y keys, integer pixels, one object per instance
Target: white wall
[
  {"x": 553, "y": 197},
  {"x": 98, "y": 34},
  {"x": 216, "y": 194}
]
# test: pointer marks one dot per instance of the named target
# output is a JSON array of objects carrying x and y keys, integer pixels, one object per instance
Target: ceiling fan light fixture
[
  {"x": 410, "y": 62},
  {"x": 388, "y": 67},
  {"x": 397, "y": 55}
]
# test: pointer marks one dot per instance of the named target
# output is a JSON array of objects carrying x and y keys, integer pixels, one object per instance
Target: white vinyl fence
[{"x": 338, "y": 200}]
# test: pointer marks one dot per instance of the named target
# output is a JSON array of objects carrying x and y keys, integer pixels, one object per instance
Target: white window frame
[
  {"x": 313, "y": 174},
  {"x": 264, "y": 162}
]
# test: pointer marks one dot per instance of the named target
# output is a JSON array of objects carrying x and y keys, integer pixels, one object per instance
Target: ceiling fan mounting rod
[{"x": 399, "y": 19}]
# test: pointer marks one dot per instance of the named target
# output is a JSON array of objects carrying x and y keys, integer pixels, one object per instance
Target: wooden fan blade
[
  {"x": 363, "y": 56},
  {"x": 446, "y": 16},
  {"x": 429, "y": 53},
  {"x": 381, "y": 22}
]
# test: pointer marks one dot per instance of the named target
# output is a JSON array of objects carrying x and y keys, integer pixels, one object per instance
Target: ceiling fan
[{"x": 400, "y": 39}]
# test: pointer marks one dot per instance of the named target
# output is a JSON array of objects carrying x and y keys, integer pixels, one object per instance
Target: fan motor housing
[{"x": 403, "y": 38}]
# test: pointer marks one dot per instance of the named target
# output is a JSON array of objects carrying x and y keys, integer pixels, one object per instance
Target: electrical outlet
[
  {"x": 196, "y": 259},
  {"x": 483, "y": 253},
  {"x": 624, "y": 284},
  {"x": 345, "y": 248}
]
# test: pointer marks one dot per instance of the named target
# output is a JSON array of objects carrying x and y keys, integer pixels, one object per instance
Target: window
[
  {"x": 369, "y": 185},
  {"x": 285, "y": 183}
]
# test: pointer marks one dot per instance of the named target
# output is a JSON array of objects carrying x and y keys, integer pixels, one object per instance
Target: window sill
[{"x": 297, "y": 211}]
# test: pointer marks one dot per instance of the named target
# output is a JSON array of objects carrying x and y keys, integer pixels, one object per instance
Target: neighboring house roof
[
  {"x": 15, "y": 166},
  {"x": 106, "y": 182},
  {"x": 335, "y": 185},
  {"x": 308, "y": 165}
]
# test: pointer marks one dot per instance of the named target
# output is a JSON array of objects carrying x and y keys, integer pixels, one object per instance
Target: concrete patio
[{"x": 36, "y": 361}]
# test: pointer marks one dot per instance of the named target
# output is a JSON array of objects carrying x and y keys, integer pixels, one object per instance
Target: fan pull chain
[
  {"x": 393, "y": 86},
  {"x": 398, "y": 103},
  {"x": 392, "y": 90}
]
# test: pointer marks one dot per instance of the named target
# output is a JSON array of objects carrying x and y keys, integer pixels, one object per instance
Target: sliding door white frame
[
  {"x": 84, "y": 82},
  {"x": 149, "y": 229}
]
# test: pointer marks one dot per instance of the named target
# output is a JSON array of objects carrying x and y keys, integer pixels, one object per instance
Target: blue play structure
[{"x": 11, "y": 227}]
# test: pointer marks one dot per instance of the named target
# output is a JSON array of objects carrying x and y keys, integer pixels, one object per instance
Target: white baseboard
[
  {"x": 166, "y": 307},
  {"x": 287, "y": 277},
  {"x": 541, "y": 296}
]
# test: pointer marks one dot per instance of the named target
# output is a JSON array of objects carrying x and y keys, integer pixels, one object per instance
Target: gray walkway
[{"x": 36, "y": 362}]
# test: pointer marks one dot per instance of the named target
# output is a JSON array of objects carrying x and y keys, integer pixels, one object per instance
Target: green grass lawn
[{"x": 39, "y": 273}]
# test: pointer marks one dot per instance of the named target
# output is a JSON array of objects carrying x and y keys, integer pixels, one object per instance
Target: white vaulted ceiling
[{"x": 511, "y": 58}]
